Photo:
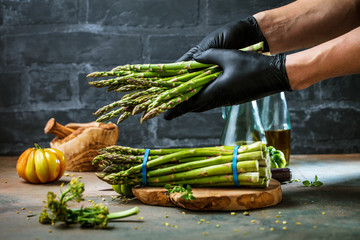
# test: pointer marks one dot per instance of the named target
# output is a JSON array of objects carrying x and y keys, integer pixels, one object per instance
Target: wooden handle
[
  {"x": 281, "y": 174},
  {"x": 57, "y": 129}
]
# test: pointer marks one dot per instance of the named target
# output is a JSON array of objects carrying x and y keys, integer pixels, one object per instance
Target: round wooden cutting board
[{"x": 214, "y": 199}]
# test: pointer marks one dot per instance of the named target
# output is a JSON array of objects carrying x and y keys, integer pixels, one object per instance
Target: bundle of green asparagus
[
  {"x": 198, "y": 167},
  {"x": 154, "y": 88}
]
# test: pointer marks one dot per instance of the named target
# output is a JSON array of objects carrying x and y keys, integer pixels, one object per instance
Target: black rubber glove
[
  {"x": 246, "y": 76},
  {"x": 234, "y": 35}
]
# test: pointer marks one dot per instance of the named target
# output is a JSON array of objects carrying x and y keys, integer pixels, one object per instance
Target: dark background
[{"x": 47, "y": 48}]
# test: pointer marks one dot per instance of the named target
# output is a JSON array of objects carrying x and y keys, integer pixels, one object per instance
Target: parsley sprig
[
  {"x": 315, "y": 183},
  {"x": 187, "y": 192}
]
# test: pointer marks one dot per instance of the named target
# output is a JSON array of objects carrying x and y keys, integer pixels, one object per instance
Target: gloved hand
[
  {"x": 246, "y": 76},
  {"x": 234, "y": 35}
]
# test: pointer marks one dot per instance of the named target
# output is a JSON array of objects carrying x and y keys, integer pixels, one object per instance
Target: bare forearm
[
  {"x": 337, "y": 57},
  {"x": 306, "y": 23}
]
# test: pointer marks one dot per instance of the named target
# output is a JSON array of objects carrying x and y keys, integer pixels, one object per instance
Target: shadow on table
[
  {"x": 56, "y": 183},
  {"x": 344, "y": 193}
]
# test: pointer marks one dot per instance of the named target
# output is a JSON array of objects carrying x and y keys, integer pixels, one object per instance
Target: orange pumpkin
[{"x": 41, "y": 165}]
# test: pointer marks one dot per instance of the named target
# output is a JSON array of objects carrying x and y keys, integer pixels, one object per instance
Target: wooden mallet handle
[
  {"x": 57, "y": 129},
  {"x": 281, "y": 174}
]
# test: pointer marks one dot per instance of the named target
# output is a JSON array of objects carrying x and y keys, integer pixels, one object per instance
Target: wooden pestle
[{"x": 57, "y": 129}]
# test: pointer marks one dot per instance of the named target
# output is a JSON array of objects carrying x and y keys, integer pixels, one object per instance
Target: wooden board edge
[{"x": 260, "y": 198}]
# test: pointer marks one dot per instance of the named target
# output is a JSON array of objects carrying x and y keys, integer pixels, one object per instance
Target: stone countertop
[{"x": 331, "y": 211}]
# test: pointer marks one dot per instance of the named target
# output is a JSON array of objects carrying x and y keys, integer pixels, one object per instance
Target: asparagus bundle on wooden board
[
  {"x": 199, "y": 167},
  {"x": 154, "y": 88}
]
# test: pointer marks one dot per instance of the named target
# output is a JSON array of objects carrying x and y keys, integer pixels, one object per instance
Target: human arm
[
  {"x": 306, "y": 23},
  {"x": 298, "y": 25},
  {"x": 337, "y": 57}
]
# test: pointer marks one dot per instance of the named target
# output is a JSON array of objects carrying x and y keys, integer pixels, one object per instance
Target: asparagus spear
[
  {"x": 195, "y": 166},
  {"x": 112, "y": 114},
  {"x": 196, "y": 82},
  {"x": 203, "y": 163},
  {"x": 109, "y": 74},
  {"x": 262, "y": 183},
  {"x": 242, "y": 177},
  {"x": 123, "y": 116},
  {"x": 116, "y": 177},
  {"x": 177, "y": 155},
  {"x": 226, "y": 179},
  {"x": 166, "y": 66},
  {"x": 147, "y": 83},
  {"x": 257, "y": 47},
  {"x": 171, "y": 80},
  {"x": 139, "y": 151},
  {"x": 168, "y": 105},
  {"x": 209, "y": 170}
]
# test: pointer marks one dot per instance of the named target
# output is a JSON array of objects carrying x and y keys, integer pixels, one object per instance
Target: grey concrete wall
[{"x": 47, "y": 47}]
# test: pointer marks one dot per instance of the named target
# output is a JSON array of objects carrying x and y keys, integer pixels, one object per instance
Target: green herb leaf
[
  {"x": 315, "y": 183},
  {"x": 191, "y": 197},
  {"x": 306, "y": 183},
  {"x": 180, "y": 189}
]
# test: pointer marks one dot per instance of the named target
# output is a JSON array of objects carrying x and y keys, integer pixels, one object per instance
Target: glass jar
[
  {"x": 243, "y": 125},
  {"x": 275, "y": 119}
]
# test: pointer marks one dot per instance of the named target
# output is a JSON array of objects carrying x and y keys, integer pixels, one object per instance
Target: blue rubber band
[
  {"x": 234, "y": 170},
  {"x": 146, "y": 156}
]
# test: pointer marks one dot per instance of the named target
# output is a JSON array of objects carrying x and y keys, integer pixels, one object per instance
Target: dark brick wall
[{"x": 48, "y": 47}]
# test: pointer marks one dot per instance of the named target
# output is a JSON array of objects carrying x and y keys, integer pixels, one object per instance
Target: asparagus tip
[
  {"x": 94, "y": 84},
  {"x": 93, "y": 74}
]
